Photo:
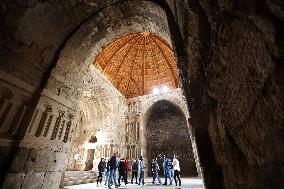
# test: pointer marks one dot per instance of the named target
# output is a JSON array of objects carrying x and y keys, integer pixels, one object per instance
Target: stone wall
[
  {"x": 168, "y": 133},
  {"x": 233, "y": 56},
  {"x": 101, "y": 126},
  {"x": 140, "y": 110},
  {"x": 230, "y": 51},
  {"x": 55, "y": 119}
]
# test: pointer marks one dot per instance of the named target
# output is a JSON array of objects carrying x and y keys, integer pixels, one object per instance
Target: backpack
[
  {"x": 134, "y": 166},
  {"x": 171, "y": 166}
]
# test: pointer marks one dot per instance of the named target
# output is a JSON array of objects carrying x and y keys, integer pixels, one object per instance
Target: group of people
[
  {"x": 110, "y": 167},
  {"x": 171, "y": 170}
]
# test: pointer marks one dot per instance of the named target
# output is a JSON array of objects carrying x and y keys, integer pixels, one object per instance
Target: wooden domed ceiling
[{"x": 137, "y": 63}]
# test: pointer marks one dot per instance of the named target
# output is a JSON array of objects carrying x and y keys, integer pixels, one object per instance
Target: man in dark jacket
[
  {"x": 134, "y": 168},
  {"x": 112, "y": 165},
  {"x": 155, "y": 170},
  {"x": 122, "y": 172}
]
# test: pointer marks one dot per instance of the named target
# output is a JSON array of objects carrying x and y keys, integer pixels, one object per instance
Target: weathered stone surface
[
  {"x": 45, "y": 160},
  {"x": 168, "y": 133},
  {"x": 51, "y": 180},
  {"x": 33, "y": 180},
  {"x": 234, "y": 59},
  {"x": 231, "y": 51},
  {"x": 13, "y": 181},
  {"x": 21, "y": 158}
]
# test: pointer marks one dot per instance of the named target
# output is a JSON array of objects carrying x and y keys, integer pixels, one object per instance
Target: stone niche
[
  {"x": 168, "y": 133},
  {"x": 153, "y": 127}
]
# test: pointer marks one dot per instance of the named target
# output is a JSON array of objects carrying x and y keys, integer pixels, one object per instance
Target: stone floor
[{"x": 187, "y": 183}]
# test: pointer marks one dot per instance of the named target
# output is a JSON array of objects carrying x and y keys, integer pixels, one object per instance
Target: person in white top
[{"x": 176, "y": 170}]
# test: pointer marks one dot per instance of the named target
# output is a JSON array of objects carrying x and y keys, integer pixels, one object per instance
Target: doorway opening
[{"x": 168, "y": 134}]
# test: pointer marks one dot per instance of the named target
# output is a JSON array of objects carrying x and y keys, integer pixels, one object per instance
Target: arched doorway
[{"x": 167, "y": 133}]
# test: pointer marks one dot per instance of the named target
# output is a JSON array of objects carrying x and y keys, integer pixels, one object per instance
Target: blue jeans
[
  {"x": 112, "y": 177},
  {"x": 172, "y": 174},
  {"x": 156, "y": 176},
  {"x": 167, "y": 176},
  {"x": 106, "y": 177},
  {"x": 141, "y": 177}
]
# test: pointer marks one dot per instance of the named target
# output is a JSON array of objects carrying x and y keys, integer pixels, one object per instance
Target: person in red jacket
[{"x": 127, "y": 169}]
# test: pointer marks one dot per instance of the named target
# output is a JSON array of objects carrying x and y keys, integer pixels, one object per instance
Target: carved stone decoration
[{"x": 43, "y": 120}]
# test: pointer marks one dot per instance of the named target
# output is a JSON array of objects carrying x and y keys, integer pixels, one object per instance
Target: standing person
[
  {"x": 155, "y": 170},
  {"x": 122, "y": 171},
  {"x": 107, "y": 167},
  {"x": 142, "y": 170},
  {"x": 176, "y": 170},
  {"x": 134, "y": 168},
  {"x": 101, "y": 168},
  {"x": 166, "y": 169},
  {"x": 127, "y": 169},
  {"x": 112, "y": 176},
  {"x": 171, "y": 168}
]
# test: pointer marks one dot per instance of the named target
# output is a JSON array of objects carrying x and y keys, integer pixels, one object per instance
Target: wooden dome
[{"x": 137, "y": 63}]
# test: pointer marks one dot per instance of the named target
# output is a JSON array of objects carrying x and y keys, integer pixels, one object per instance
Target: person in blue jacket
[
  {"x": 166, "y": 167},
  {"x": 142, "y": 170}
]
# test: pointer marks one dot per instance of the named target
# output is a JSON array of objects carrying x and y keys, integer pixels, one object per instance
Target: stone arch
[
  {"x": 67, "y": 85},
  {"x": 172, "y": 136},
  {"x": 81, "y": 49},
  {"x": 177, "y": 100}
]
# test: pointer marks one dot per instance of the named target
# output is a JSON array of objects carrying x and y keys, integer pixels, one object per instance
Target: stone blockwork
[
  {"x": 140, "y": 110},
  {"x": 100, "y": 127},
  {"x": 57, "y": 113},
  {"x": 233, "y": 56},
  {"x": 168, "y": 133},
  {"x": 231, "y": 51}
]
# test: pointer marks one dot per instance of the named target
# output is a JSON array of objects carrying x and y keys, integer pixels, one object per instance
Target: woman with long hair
[{"x": 101, "y": 168}]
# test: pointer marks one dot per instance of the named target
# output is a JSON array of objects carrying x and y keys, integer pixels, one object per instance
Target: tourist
[
  {"x": 112, "y": 176},
  {"x": 122, "y": 171},
  {"x": 142, "y": 170},
  {"x": 176, "y": 170},
  {"x": 155, "y": 171},
  {"x": 171, "y": 168},
  {"x": 166, "y": 169},
  {"x": 127, "y": 169},
  {"x": 106, "y": 174},
  {"x": 134, "y": 168},
  {"x": 101, "y": 168}
]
